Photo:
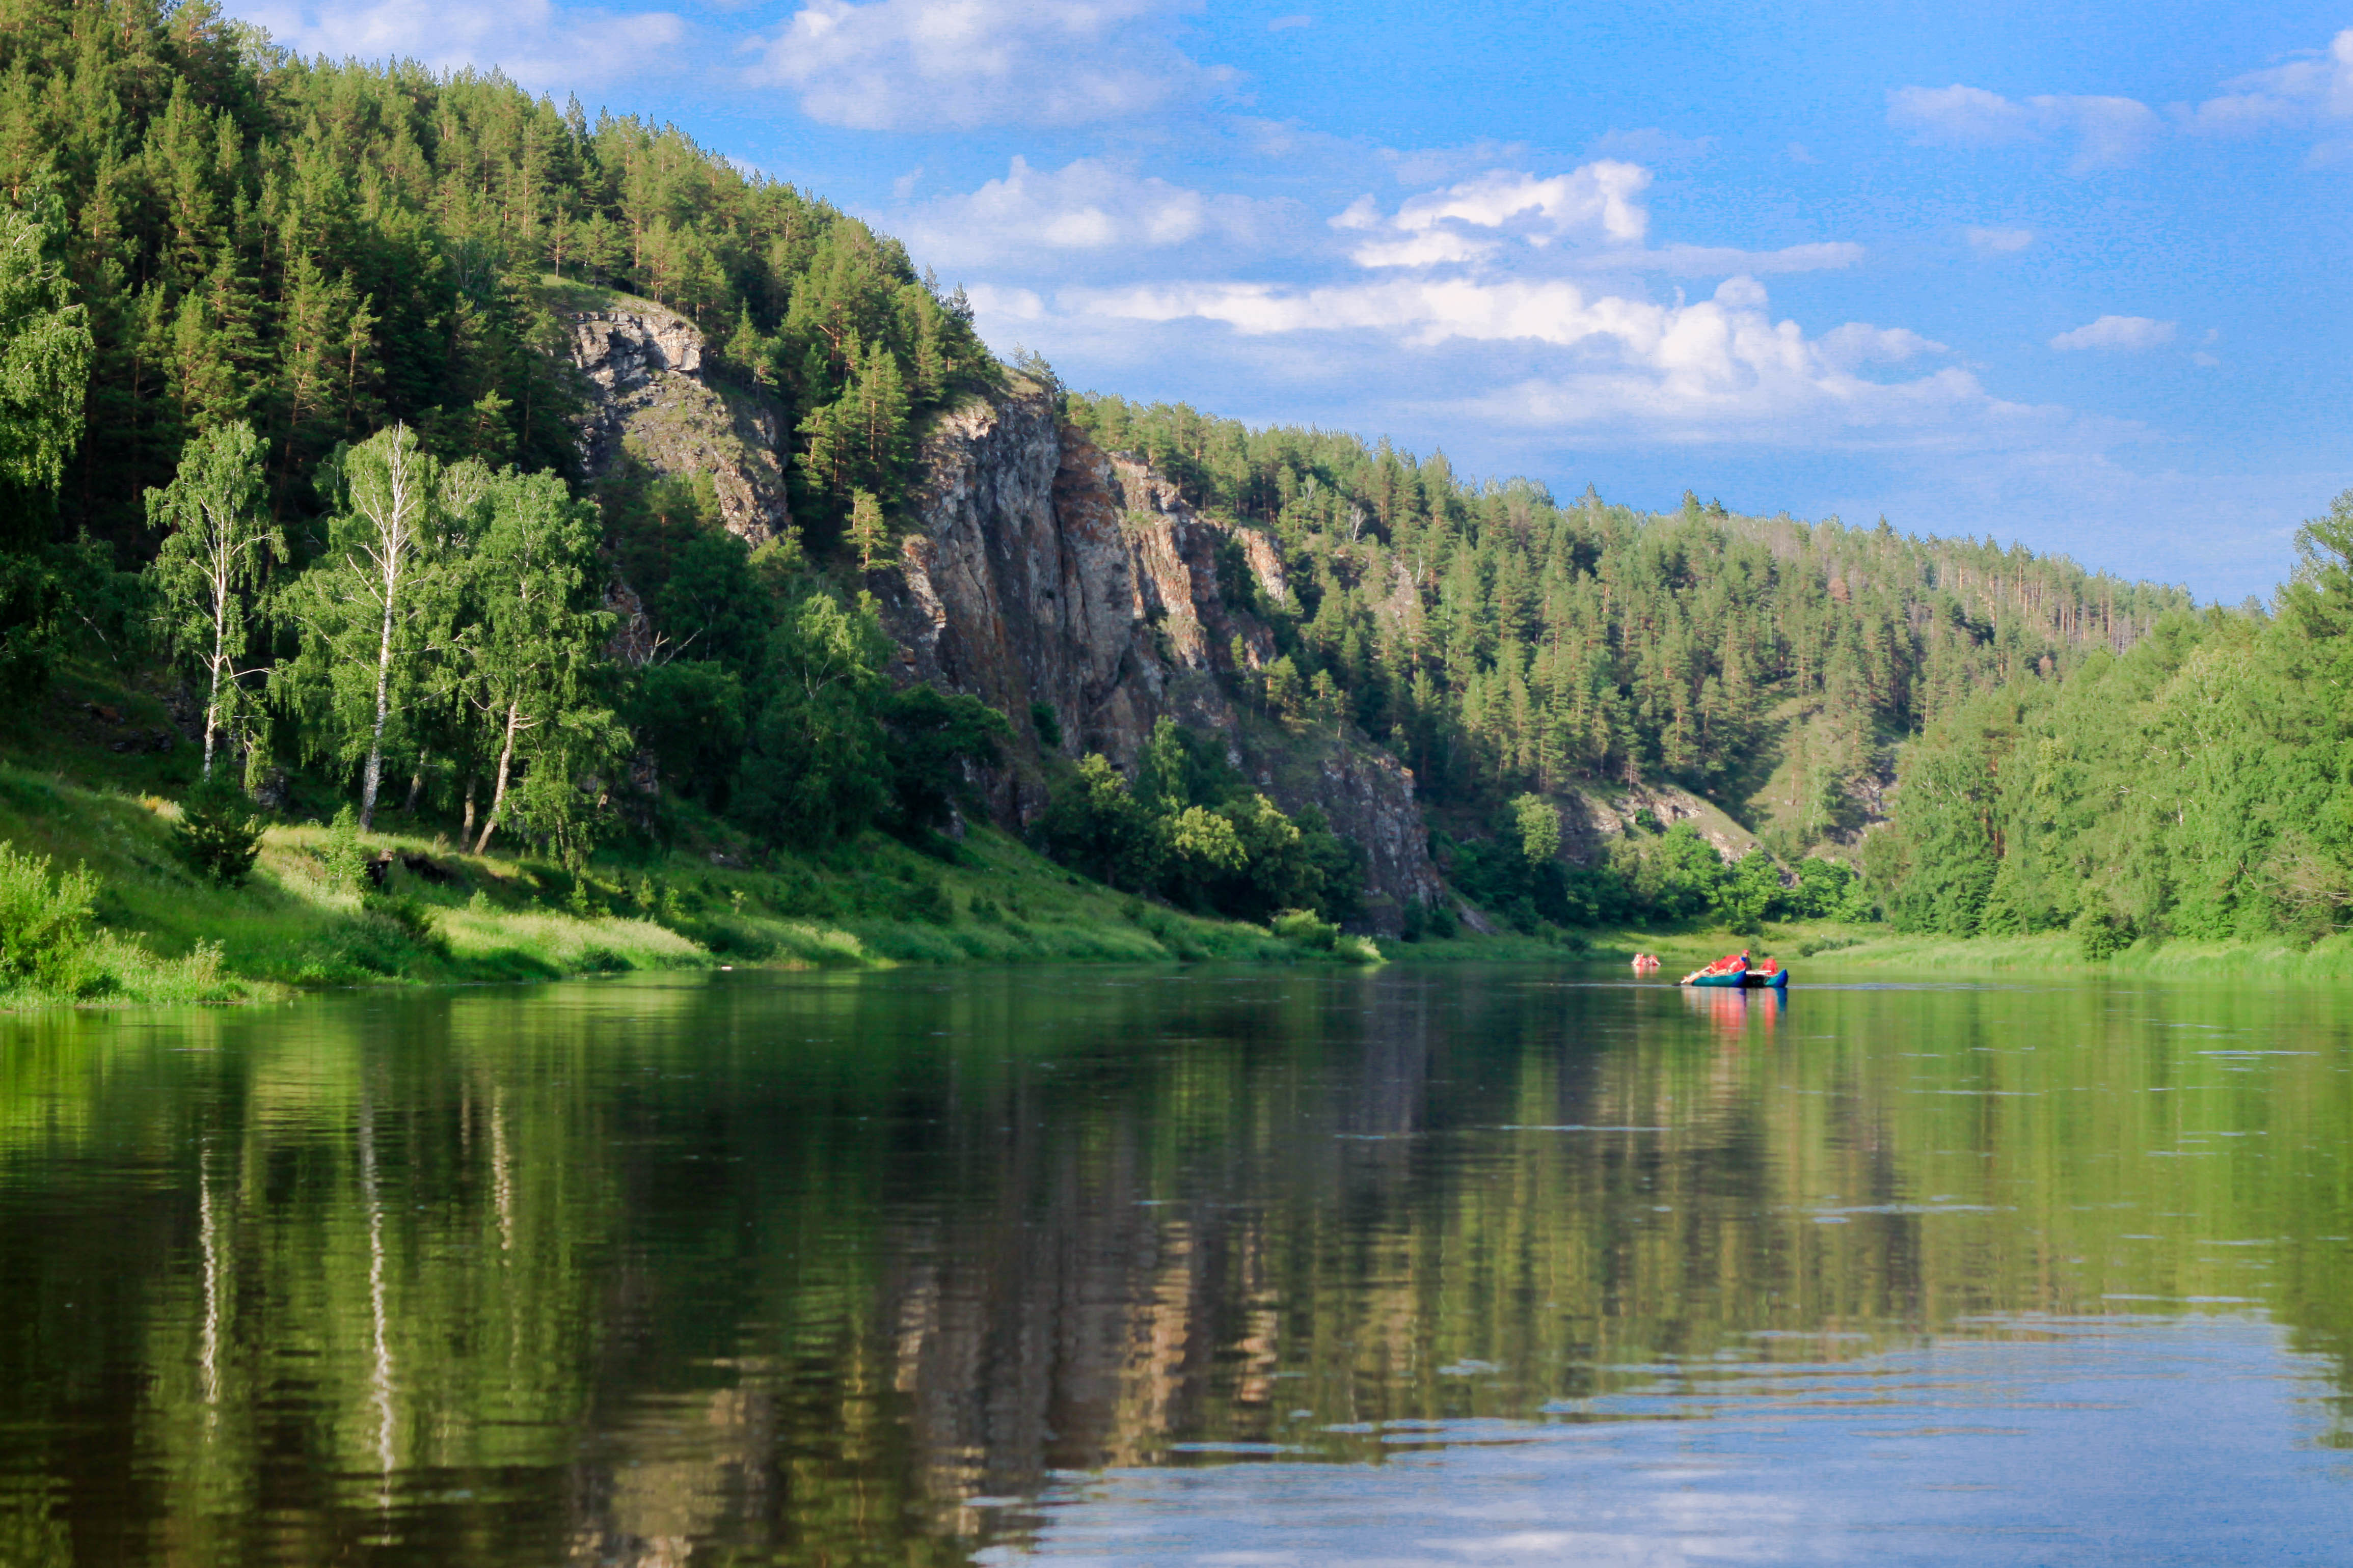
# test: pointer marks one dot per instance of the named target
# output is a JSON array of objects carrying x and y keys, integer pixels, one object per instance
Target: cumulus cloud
[
  {"x": 2001, "y": 241},
  {"x": 1087, "y": 205},
  {"x": 893, "y": 65},
  {"x": 533, "y": 41},
  {"x": 2117, "y": 332},
  {"x": 1716, "y": 369},
  {"x": 1590, "y": 219},
  {"x": 2106, "y": 130},
  {"x": 1597, "y": 200}
]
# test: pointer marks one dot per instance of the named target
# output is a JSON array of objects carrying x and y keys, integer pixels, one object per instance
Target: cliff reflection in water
[{"x": 835, "y": 1270}]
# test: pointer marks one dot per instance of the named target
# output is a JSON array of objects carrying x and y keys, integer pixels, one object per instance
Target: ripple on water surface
[{"x": 1457, "y": 1266}]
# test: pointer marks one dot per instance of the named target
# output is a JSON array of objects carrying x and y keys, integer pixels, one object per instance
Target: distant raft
[
  {"x": 1767, "y": 976},
  {"x": 1731, "y": 972}
]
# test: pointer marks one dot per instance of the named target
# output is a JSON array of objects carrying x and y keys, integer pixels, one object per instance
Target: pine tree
[{"x": 868, "y": 536}]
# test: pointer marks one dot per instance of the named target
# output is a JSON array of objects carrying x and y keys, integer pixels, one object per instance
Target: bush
[
  {"x": 2102, "y": 934},
  {"x": 219, "y": 836},
  {"x": 1048, "y": 724},
  {"x": 1300, "y": 926},
  {"x": 343, "y": 856},
  {"x": 44, "y": 923}
]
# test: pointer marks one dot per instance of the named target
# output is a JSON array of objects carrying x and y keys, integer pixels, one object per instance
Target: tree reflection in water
[{"x": 844, "y": 1270}]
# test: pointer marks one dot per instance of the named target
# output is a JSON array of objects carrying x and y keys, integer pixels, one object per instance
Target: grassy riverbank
[
  {"x": 310, "y": 916},
  {"x": 2061, "y": 953}
]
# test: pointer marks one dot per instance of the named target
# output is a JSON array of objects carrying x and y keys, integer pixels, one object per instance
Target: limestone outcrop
[
  {"x": 649, "y": 394},
  {"x": 1043, "y": 569}
]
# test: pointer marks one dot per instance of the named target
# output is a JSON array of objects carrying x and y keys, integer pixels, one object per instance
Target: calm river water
[{"x": 1464, "y": 1266}]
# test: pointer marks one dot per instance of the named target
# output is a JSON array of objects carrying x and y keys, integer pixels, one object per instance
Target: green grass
[
  {"x": 2059, "y": 953},
  {"x": 300, "y": 921}
]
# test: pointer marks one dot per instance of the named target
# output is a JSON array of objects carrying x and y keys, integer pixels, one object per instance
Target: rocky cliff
[
  {"x": 1042, "y": 569},
  {"x": 1039, "y": 568},
  {"x": 650, "y": 396}
]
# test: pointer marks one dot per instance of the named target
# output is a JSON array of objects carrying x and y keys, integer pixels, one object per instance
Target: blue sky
[{"x": 2068, "y": 274}]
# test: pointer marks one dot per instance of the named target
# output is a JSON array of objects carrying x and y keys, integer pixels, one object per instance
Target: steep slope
[
  {"x": 1041, "y": 569},
  {"x": 1038, "y": 569}
]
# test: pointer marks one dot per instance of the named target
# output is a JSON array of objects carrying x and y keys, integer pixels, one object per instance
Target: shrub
[
  {"x": 343, "y": 856},
  {"x": 44, "y": 922},
  {"x": 410, "y": 915},
  {"x": 2102, "y": 934},
  {"x": 1302, "y": 926},
  {"x": 219, "y": 836},
  {"x": 1048, "y": 724}
]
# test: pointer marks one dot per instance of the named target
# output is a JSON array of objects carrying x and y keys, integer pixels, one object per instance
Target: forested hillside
[
  {"x": 1503, "y": 641},
  {"x": 289, "y": 433},
  {"x": 2200, "y": 785},
  {"x": 322, "y": 249}
]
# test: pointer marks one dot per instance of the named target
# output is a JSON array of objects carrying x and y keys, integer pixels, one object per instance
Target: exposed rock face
[
  {"x": 1590, "y": 819},
  {"x": 648, "y": 395},
  {"x": 1043, "y": 569}
]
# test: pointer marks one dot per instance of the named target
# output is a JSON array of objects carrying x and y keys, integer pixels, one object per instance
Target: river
[{"x": 1462, "y": 1265}]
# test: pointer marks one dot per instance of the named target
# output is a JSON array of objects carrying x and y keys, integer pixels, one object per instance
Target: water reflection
[{"x": 862, "y": 1269}]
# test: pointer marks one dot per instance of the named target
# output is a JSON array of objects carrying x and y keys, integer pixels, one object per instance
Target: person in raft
[{"x": 1728, "y": 963}]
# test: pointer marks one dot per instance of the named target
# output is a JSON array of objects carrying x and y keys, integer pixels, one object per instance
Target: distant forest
[{"x": 248, "y": 301}]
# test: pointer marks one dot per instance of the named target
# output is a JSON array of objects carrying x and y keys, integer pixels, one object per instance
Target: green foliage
[
  {"x": 1190, "y": 830},
  {"x": 692, "y": 716},
  {"x": 1302, "y": 927},
  {"x": 1047, "y": 725},
  {"x": 1537, "y": 823},
  {"x": 816, "y": 768},
  {"x": 45, "y": 356},
  {"x": 219, "y": 835},
  {"x": 2101, "y": 934},
  {"x": 932, "y": 741},
  {"x": 208, "y": 570},
  {"x": 1505, "y": 643},
  {"x": 1094, "y": 822},
  {"x": 2193, "y": 787},
  {"x": 342, "y": 857},
  {"x": 44, "y": 921}
]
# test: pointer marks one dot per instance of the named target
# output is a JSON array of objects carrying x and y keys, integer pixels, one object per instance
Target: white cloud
[
  {"x": 1717, "y": 369},
  {"x": 1284, "y": 24},
  {"x": 1968, "y": 116},
  {"x": 891, "y": 65},
  {"x": 1588, "y": 220},
  {"x": 2117, "y": 332},
  {"x": 2316, "y": 88},
  {"x": 2001, "y": 241},
  {"x": 991, "y": 304},
  {"x": 2107, "y": 130},
  {"x": 1087, "y": 205},
  {"x": 1597, "y": 200},
  {"x": 1859, "y": 342},
  {"x": 533, "y": 41}
]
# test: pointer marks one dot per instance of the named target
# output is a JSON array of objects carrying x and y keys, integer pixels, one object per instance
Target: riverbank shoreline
[
  {"x": 326, "y": 905},
  {"x": 2061, "y": 953}
]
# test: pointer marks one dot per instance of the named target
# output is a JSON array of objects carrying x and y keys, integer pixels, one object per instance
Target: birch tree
[
  {"x": 533, "y": 647},
  {"x": 210, "y": 564},
  {"x": 373, "y": 609}
]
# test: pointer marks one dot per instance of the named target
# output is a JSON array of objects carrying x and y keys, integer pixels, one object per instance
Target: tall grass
[{"x": 2061, "y": 953}]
